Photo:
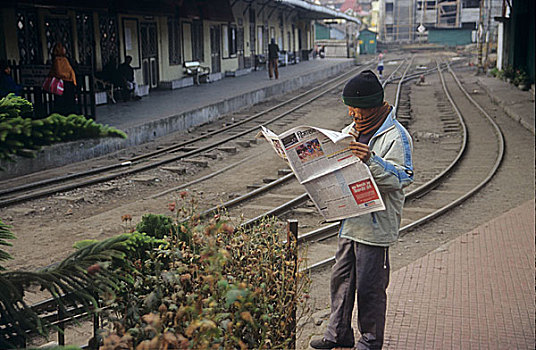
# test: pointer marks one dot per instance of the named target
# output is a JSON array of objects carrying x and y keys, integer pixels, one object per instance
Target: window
[
  {"x": 469, "y": 25},
  {"x": 197, "y": 41},
  {"x": 225, "y": 40},
  {"x": 260, "y": 40},
  {"x": 174, "y": 37},
  {"x": 471, "y": 4},
  {"x": 388, "y": 7},
  {"x": 229, "y": 39},
  {"x": 232, "y": 40},
  {"x": 288, "y": 42}
]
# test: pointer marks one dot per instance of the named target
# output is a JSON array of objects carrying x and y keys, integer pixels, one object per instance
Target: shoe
[{"x": 323, "y": 343}]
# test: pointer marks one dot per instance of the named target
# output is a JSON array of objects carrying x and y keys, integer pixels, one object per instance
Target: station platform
[
  {"x": 475, "y": 292},
  {"x": 517, "y": 104},
  {"x": 233, "y": 92}
]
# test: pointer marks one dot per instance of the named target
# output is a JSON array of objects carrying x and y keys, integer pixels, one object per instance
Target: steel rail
[
  {"x": 173, "y": 148},
  {"x": 66, "y": 187},
  {"x": 500, "y": 155},
  {"x": 304, "y": 197}
]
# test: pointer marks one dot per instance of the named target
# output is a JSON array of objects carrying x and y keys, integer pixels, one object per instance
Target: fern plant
[
  {"x": 75, "y": 281},
  {"x": 5, "y": 233}
]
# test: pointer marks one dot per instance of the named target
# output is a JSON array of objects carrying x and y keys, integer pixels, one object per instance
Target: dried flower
[{"x": 93, "y": 269}]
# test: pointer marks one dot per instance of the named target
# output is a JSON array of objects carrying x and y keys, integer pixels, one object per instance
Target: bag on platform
[{"x": 53, "y": 85}]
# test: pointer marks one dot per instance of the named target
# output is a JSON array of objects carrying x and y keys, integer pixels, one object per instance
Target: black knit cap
[{"x": 363, "y": 91}]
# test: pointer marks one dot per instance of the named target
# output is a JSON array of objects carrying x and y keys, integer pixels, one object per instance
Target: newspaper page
[{"x": 339, "y": 184}]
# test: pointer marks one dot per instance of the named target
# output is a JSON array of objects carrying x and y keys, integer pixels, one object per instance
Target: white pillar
[{"x": 500, "y": 45}]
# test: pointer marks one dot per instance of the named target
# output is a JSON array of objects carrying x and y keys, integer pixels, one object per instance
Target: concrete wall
[
  {"x": 321, "y": 32},
  {"x": 450, "y": 37}
]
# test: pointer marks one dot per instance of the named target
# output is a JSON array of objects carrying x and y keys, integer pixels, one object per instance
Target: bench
[
  {"x": 106, "y": 86},
  {"x": 260, "y": 61},
  {"x": 196, "y": 70}
]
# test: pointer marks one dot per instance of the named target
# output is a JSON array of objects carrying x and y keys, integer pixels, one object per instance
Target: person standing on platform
[
  {"x": 362, "y": 258},
  {"x": 273, "y": 58},
  {"x": 61, "y": 69},
  {"x": 322, "y": 52},
  {"x": 7, "y": 84},
  {"x": 127, "y": 74},
  {"x": 380, "y": 65}
]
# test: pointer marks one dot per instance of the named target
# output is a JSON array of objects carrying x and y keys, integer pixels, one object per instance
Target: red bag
[{"x": 53, "y": 85}]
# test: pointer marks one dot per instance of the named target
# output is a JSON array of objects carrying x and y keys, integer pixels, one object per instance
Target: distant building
[
  {"x": 367, "y": 42},
  {"x": 399, "y": 20}
]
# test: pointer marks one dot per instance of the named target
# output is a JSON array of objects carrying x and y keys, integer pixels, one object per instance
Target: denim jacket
[{"x": 391, "y": 166}]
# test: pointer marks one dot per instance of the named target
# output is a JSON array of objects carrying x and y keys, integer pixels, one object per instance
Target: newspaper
[{"x": 338, "y": 183}]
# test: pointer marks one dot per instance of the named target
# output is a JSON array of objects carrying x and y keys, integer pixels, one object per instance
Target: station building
[{"x": 230, "y": 37}]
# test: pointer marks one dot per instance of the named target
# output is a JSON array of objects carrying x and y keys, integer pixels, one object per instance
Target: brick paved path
[{"x": 476, "y": 292}]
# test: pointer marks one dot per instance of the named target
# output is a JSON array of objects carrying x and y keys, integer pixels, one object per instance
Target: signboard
[
  {"x": 421, "y": 29},
  {"x": 34, "y": 75}
]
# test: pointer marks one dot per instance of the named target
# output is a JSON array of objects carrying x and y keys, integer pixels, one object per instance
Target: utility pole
[
  {"x": 488, "y": 34},
  {"x": 480, "y": 33}
]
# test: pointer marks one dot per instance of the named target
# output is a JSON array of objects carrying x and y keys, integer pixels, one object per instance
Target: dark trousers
[
  {"x": 363, "y": 269},
  {"x": 66, "y": 104},
  {"x": 272, "y": 65}
]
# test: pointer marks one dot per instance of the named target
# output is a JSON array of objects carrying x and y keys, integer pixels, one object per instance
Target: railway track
[
  {"x": 285, "y": 195},
  {"x": 436, "y": 191}
]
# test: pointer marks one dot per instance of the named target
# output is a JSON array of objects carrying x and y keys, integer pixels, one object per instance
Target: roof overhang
[{"x": 315, "y": 11}]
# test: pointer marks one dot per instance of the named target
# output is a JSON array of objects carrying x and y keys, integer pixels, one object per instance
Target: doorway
[
  {"x": 149, "y": 53},
  {"x": 215, "y": 49},
  {"x": 240, "y": 48}
]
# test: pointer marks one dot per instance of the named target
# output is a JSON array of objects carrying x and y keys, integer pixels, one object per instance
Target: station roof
[
  {"x": 207, "y": 9},
  {"x": 314, "y": 11}
]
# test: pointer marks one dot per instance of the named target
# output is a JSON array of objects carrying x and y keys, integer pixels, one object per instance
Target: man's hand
[{"x": 360, "y": 150}]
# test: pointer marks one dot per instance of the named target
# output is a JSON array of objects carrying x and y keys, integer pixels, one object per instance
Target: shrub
[
  {"x": 155, "y": 225},
  {"x": 220, "y": 288},
  {"x": 509, "y": 72},
  {"x": 521, "y": 77},
  {"x": 493, "y": 72}
]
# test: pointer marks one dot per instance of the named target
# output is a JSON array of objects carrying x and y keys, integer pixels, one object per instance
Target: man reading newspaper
[{"x": 362, "y": 260}]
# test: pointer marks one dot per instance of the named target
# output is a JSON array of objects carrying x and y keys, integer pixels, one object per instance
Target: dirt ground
[{"x": 47, "y": 228}]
